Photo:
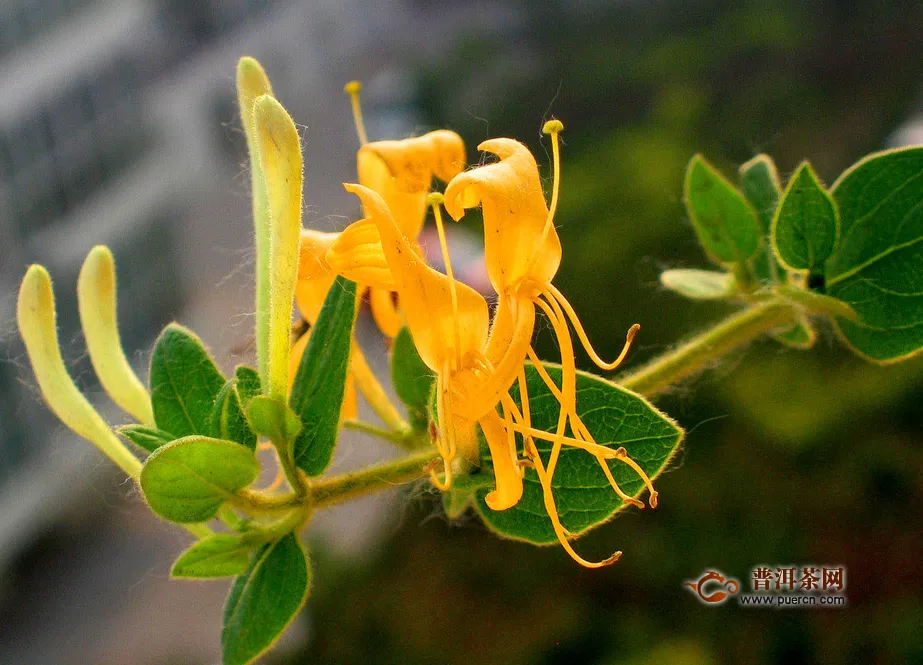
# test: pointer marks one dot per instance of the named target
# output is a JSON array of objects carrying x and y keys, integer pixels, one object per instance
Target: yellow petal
[
  {"x": 315, "y": 276},
  {"x": 402, "y": 172},
  {"x": 515, "y": 213},
  {"x": 508, "y": 490},
  {"x": 441, "y": 335},
  {"x": 357, "y": 255},
  {"x": 386, "y": 314},
  {"x": 96, "y": 294}
]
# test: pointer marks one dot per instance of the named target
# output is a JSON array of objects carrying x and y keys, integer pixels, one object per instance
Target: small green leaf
[
  {"x": 726, "y": 223},
  {"x": 877, "y": 267},
  {"x": 248, "y": 383},
  {"x": 759, "y": 180},
  {"x": 412, "y": 379},
  {"x": 271, "y": 418},
  {"x": 149, "y": 438},
  {"x": 699, "y": 284},
  {"x": 221, "y": 555},
  {"x": 615, "y": 417},
  {"x": 317, "y": 393},
  {"x": 184, "y": 382},
  {"x": 228, "y": 421},
  {"x": 188, "y": 480},
  {"x": 264, "y": 600},
  {"x": 805, "y": 228}
]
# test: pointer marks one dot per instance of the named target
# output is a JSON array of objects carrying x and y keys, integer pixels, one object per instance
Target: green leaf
[
  {"x": 699, "y": 284},
  {"x": 221, "y": 555},
  {"x": 412, "y": 379},
  {"x": 273, "y": 419},
  {"x": 149, "y": 438},
  {"x": 188, "y": 480},
  {"x": 805, "y": 228},
  {"x": 877, "y": 267},
  {"x": 759, "y": 180},
  {"x": 726, "y": 223},
  {"x": 228, "y": 421},
  {"x": 248, "y": 383},
  {"x": 317, "y": 393},
  {"x": 264, "y": 600},
  {"x": 615, "y": 417},
  {"x": 184, "y": 382}
]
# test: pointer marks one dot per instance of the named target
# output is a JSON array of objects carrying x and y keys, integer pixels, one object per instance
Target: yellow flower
[
  {"x": 523, "y": 253},
  {"x": 401, "y": 172}
]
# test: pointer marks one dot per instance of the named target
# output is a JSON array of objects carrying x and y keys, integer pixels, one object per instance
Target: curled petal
[
  {"x": 515, "y": 215},
  {"x": 402, "y": 171},
  {"x": 440, "y": 333},
  {"x": 357, "y": 255},
  {"x": 509, "y": 483}
]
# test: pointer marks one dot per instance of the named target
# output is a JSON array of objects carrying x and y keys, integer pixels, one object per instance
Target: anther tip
[
  {"x": 435, "y": 199},
  {"x": 553, "y": 127},
  {"x": 653, "y": 499},
  {"x": 612, "y": 559},
  {"x": 352, "y": 88}
]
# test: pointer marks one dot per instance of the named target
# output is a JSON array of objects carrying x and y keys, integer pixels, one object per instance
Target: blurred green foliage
[{"x": 792, "y": 457}]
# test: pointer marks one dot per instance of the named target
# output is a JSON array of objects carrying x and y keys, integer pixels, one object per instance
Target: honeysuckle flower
[
  {"x": 523, "y": 253},
  {"x": 401, "y": 172}
]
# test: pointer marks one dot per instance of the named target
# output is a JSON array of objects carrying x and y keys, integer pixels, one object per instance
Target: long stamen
[
  {"x": 443, "y": 443},
  {"x": 435, "y": 200},
  {"x": 352, "y": 89},
  {"x": 553, "y": 128},
  {"x": 581, "y": 333},
  {"x": 581, "y": 430},
  {"x": 623, "y": 456},
  {"x": 552, "y": 510}
]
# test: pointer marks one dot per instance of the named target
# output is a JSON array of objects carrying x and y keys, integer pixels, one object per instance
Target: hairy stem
[
  {"x": 380, "y": 477},
  {"x": 694, "y": 355}
]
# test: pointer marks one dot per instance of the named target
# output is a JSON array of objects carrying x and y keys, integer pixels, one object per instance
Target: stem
[
  {"x": 292, "y": 472},
  {"x": 694, "y": 355},
  {"x": 407, "y": 441},
  {"x": 383, "y": 476}
]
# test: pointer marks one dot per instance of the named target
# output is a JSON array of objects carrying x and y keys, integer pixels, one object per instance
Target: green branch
[
  {"x": 695, "y": 355},
  {"x": 380, "y": 477}
]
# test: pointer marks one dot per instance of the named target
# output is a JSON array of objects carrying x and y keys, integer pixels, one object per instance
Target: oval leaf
[
  {"x": 222, "y": 555},
  {"x": 615, "y": 417},
  {"x": 412, "y": 379},
  {"x": 188, "y": 480},
  {"x": 878, "y": 264},
  {"x": 724, "y": 221},
  {"x": 699, "y": 284},
  {"x": 264, "y": 600},
  {"x": 148, "y": 438},
  {"x": 759, "y": 181},
  {"x": 184, "y": 382},
  {"x": 248, "y": 384},
  {"x": 227, "y": 419},
  {"x": 319, "y": 386},
  {"x": 805, "y": 228}
]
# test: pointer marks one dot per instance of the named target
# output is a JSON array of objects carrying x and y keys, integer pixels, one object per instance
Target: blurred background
[{"x": 118, "y": 125}]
